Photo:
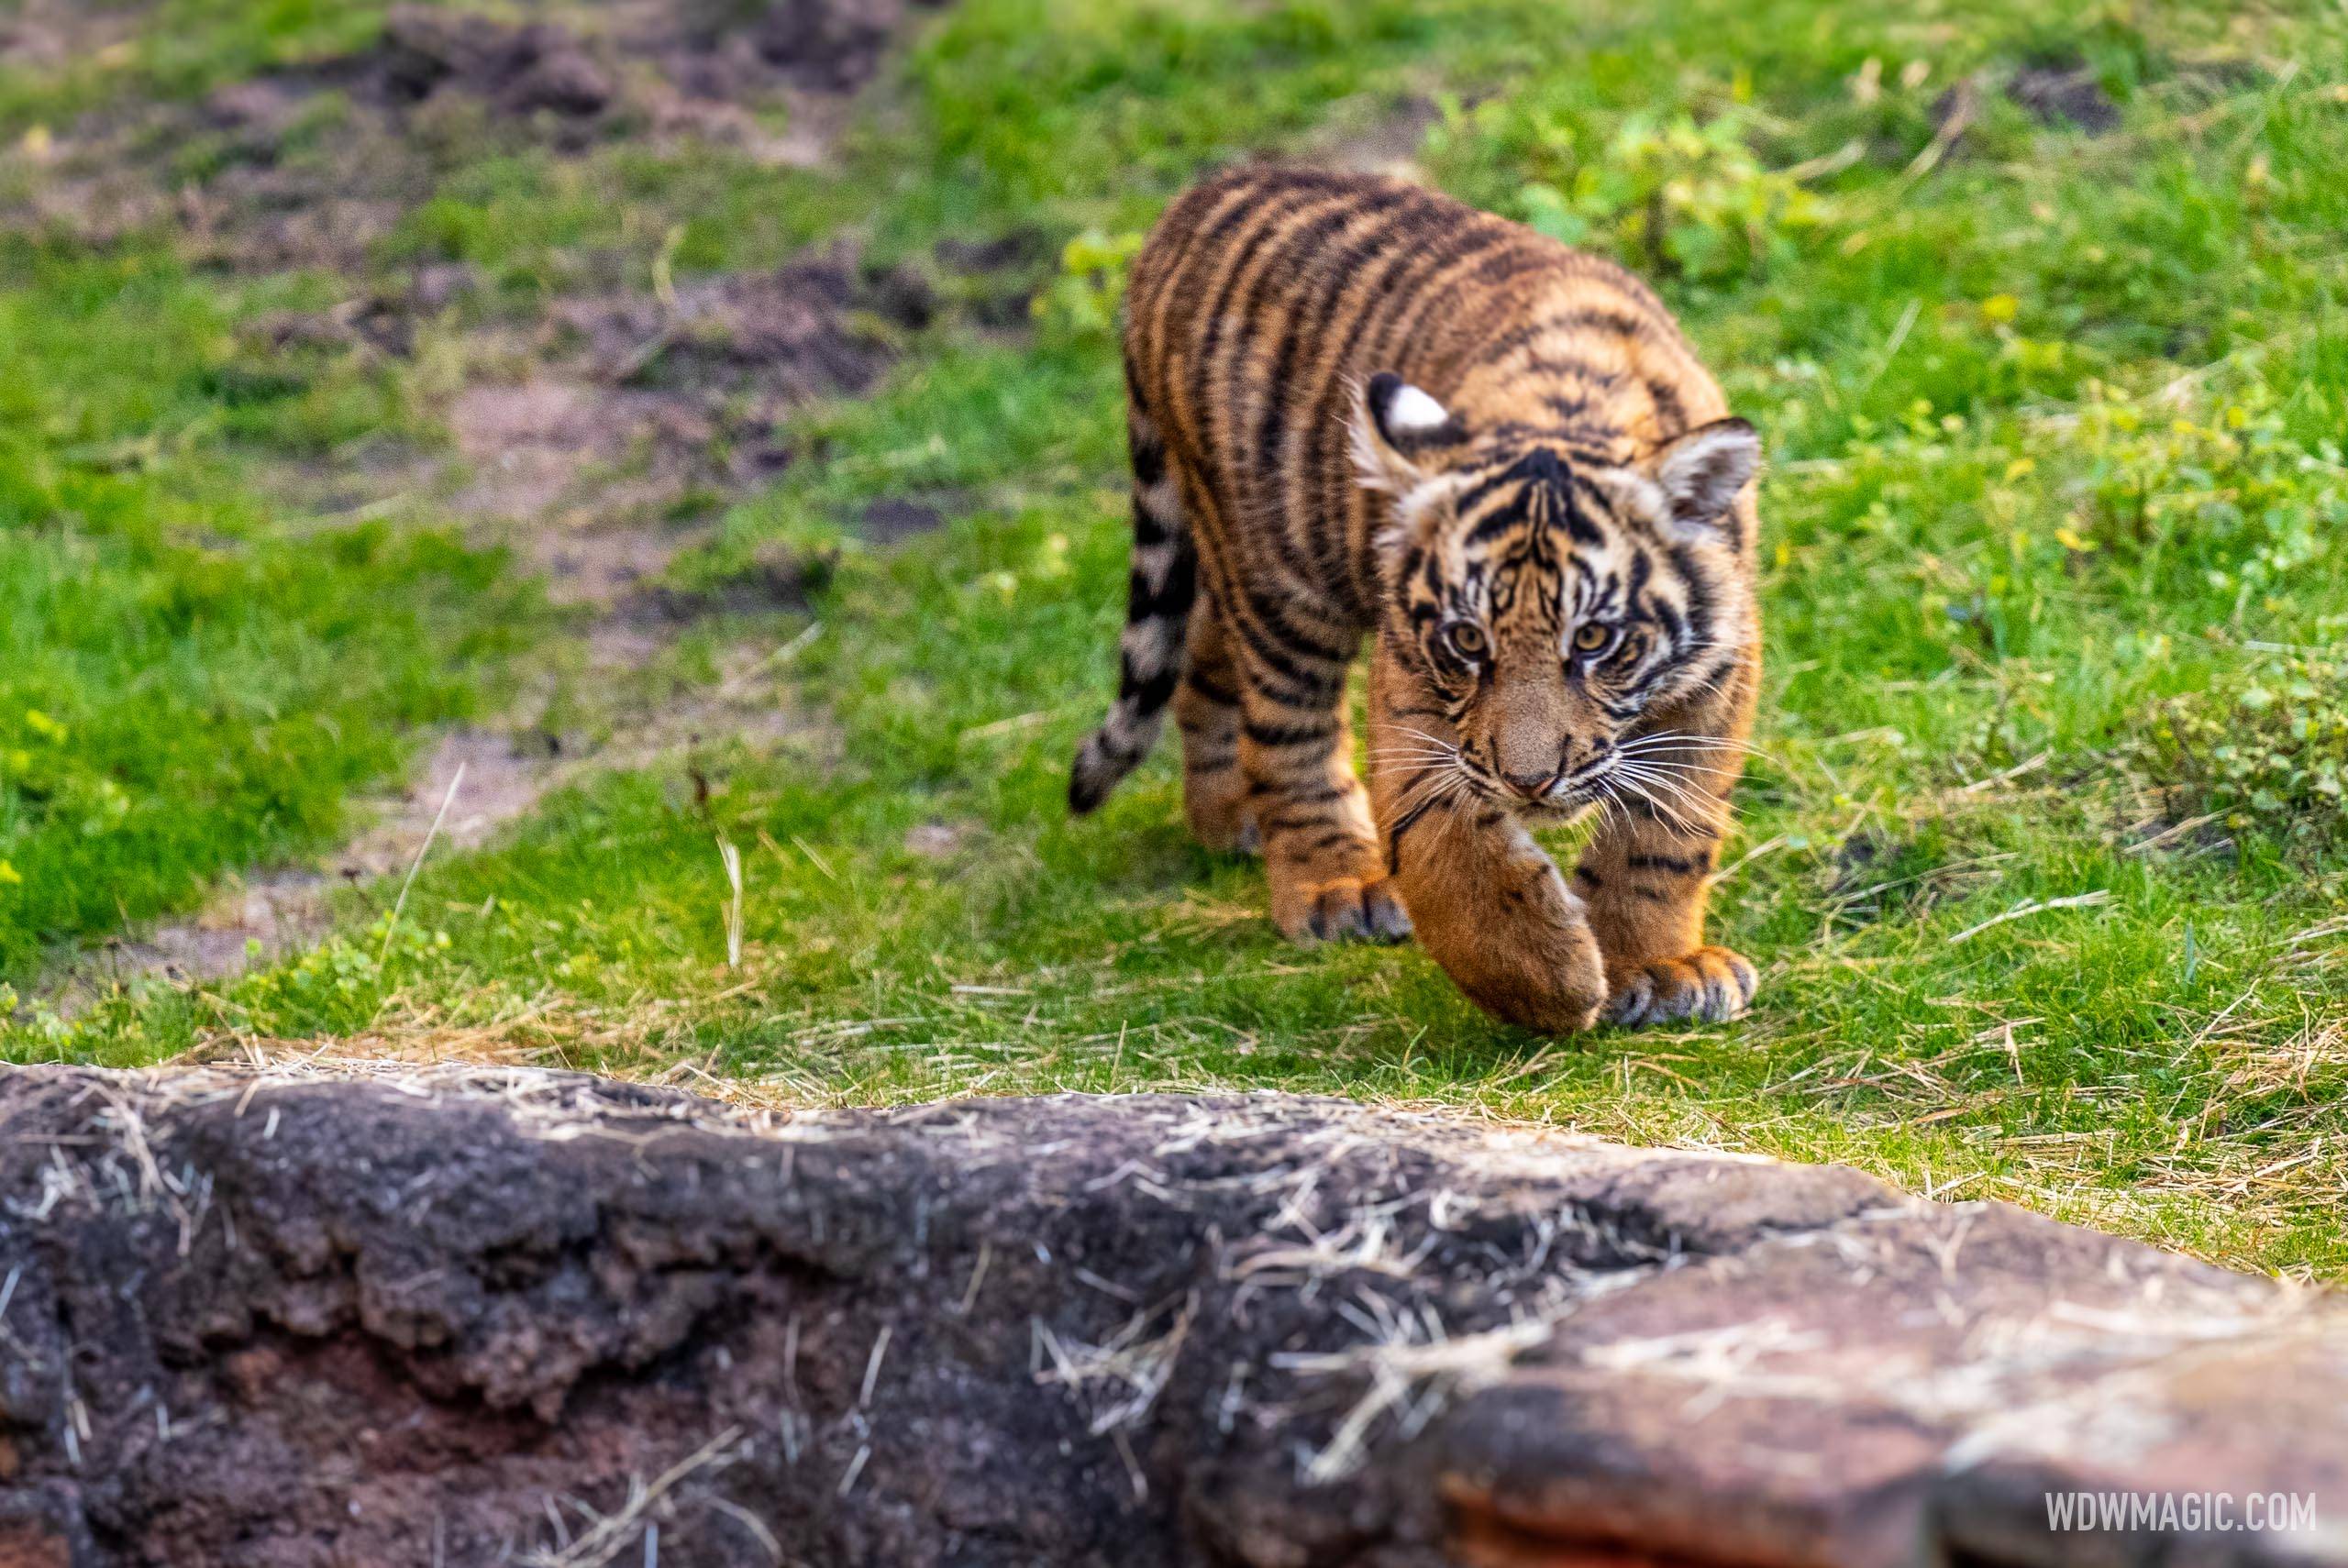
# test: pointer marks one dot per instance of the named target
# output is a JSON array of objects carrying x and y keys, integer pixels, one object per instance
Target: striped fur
[{"x": 1358, "y": 409}]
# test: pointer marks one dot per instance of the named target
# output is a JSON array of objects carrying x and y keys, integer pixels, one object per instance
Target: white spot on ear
[
  {"x": 1389, "y": 416},
  {"x": 1412, "y": 409}
]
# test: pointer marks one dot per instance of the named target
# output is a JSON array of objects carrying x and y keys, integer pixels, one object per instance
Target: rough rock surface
[{"x": 289, "y": 1318}]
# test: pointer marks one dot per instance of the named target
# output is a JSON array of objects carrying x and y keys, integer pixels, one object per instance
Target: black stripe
[
  {"x": 1213, "y": 691},
  {"x": 1641, "y": 572},
  {"x": 1149, "y": 532},
  {"x": 1665, "y": 615},
  {"x": 1281, "y": 736},
  {"x": 1684, "y": 866},
  {"x": 1273, "y": 617},
  {"x": 1510, "y": 515},
  {"x": 1483, "y": 490},
  {"x": 1700, "y": 593},
  {"x": 1403, "y": 824},
  {"x": 1583, "y": 318},
  {"x": 1670, "y": 413},
  {"x": 1147, "y": 454},
  {"x": 1579, "y": 370},
  {"x": 1578, "y": 527},
  {"x": 1171, "y": 602},
  {"x": 1147, "y": 696},
  {"x": 1276, "y": 675}
]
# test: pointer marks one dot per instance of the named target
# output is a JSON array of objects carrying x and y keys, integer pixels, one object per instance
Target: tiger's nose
[{"x": 1531, "y": 789}]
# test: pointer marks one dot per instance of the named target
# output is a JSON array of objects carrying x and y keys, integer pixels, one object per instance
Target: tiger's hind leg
[
  {"x": 1206, "y": 708},
  {"x": 1321, "y": 851}
]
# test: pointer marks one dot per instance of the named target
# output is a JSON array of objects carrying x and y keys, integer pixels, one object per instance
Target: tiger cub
[{"x": 1356, "y": 407}]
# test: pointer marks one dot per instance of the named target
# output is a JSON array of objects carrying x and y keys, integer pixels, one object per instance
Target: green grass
[
  {"x": 2054, "y": 422},
  {"x": 194, "y": 677}
]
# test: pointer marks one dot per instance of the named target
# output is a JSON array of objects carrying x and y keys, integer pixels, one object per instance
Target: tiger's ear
[
  {"x": 1395, "y": 429},
  {"x": 1700, "y": 472}
]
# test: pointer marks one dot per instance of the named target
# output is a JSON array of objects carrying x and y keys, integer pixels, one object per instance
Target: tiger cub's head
[{"x": 1550, "y": 596}]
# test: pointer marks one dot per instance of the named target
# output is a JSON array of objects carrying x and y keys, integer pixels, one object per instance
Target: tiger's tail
[{"x": 1159, "y": 592}]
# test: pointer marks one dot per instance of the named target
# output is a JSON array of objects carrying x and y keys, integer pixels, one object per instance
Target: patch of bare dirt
[
  {"x": 779, "y": 337},
  {"x": 649, "y": 412},
  {"x": 2061, "y": 96},
  {"x": 896, "y": 517},
  {"x": 48, "y": 35},
  {"x": 1386, "y": 139},
  {"x": 551, "y": 453},
  {"x": 518, "y": 69},
  {"x": 939, "y": 840},
  {"x": 994, "y": 282}
]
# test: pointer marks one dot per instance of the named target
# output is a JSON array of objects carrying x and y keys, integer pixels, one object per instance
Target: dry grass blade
[
  {"x": 2035, "y": 906},
  {"x": 614, "y": 1531},
  {"x": 732, "y": 859},
  {"x": 398, "y": 905},
  {"x": 1397, "y": 1369},
  {"x": 1964, "y": 104}
]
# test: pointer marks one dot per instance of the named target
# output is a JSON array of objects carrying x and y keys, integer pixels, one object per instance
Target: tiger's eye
[
  {"x": 1592, "y": 636},
  {"x": 1467, "y": 639}
]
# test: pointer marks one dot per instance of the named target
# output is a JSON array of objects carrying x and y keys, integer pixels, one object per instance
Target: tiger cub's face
[{"x": 1549, "y": 596}]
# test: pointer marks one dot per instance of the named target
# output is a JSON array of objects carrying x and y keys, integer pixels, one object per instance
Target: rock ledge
[{"x": 288, "y": 1317}]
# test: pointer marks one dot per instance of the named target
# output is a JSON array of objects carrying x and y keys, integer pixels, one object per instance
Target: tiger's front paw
[
  {"x": 1541, "y": 1006},
  {"x": 1342, "y": 908},
  {"x": 1540, "y": 974},
  {"x": 1708, "y": 986}
]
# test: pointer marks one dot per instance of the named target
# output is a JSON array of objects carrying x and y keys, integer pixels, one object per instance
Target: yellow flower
[
  {"x": 9, "y": 875},
  {"x": 1999, "y": 309}
]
